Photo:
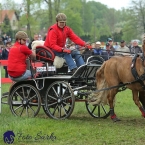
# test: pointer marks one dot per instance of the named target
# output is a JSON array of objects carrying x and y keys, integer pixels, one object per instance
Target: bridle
[{"x": 138, "y": 78}]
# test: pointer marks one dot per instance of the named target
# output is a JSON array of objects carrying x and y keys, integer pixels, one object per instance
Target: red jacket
[{"x": 56, "y": 37}]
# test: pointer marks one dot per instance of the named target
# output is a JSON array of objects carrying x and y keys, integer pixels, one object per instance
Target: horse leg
[
  {"x": 111, "y": 97},
  {"x": 136, "y": 101},
  {"x": 142, "y": 98}
]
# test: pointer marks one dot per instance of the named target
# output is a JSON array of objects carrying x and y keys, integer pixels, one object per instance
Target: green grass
[{"x": 80, "y": 128}]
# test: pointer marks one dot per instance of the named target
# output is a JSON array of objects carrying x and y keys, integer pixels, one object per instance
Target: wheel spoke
[
  {"x": 64, "y": 109},
  {"x": 104, "y": 109},
  {"x": 49, "y": 105},
  {"x": 66, "y": 98},
  {"x": 32, "y": 97},
  {"x": 31, "y": 108},
  {"x": 98, "y": 110},
  {"x": 55, "y": 109},
  {"x": 93, "y": 109},
  {"x": 19, "y": 95},
  {"x": 55, "y": 92},
  {"x": 27, "y": 111},
  {"x": 18, "y": 107},
  {"x": 59, "y": 107},
  {"x": 22, "y": 111},
  {"x": 52, "y": 97}
]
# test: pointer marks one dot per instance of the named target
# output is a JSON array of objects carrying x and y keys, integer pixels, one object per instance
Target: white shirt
[{"x": 124, "y": 49}]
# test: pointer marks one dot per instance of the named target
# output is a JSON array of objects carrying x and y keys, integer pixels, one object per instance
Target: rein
[{"x": 118, "y": 86}]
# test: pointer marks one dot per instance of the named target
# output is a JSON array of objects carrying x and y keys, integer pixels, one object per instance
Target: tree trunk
[{"x": 28, "y": 15}]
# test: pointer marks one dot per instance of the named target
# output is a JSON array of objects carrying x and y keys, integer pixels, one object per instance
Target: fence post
[{"x": 0, "y": 86}]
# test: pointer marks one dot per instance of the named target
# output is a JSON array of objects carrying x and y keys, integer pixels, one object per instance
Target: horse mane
[{"x": 101, "y": 97}]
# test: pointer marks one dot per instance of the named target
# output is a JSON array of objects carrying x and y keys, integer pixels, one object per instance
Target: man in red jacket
[
  {"x": 19, "y": 52},
  {"x": 56, "y": 40}
]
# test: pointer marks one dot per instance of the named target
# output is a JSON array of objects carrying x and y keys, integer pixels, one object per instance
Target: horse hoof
[{"x": 116, "y": 119}]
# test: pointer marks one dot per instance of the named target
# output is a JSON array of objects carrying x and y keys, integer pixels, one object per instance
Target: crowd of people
[
  {"x": 55, "y": 39},
  {"x": 110, "y": 49}
]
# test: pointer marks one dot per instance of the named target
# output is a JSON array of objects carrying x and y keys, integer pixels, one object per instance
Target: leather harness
[{"x": 138, "y": 78}]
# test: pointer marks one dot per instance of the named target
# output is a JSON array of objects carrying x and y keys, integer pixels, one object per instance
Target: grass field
[{"x": 79, "y": 129}]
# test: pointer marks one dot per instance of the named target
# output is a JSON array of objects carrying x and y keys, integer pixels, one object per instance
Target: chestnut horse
[{"x": 115, "y": 71}]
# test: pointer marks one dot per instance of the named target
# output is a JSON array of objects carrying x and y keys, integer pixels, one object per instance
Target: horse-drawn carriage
[{"x": 56, "y": 90}]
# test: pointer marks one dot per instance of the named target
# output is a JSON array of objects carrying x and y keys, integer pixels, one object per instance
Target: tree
[
  {"x": 137, "y": 16},
  {"x": 6, "y": 27}
]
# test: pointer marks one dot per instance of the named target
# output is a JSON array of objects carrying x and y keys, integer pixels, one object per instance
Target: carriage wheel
[
  {"x": 59, "y": 100},
  {"x": 4, "y": 98},
  {"x": 25, "y": 101},
  {"x": 98, "y": 111}
]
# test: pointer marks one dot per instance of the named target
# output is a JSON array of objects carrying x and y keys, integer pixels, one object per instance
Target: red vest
[{"x": 17, "y": 59}]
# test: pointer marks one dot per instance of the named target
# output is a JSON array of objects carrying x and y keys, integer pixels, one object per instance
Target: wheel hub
[
  {"x": 25, "y": 102},
  {"x": 59, "y": 101}
]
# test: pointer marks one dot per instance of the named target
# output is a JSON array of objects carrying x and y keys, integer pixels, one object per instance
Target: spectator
[
  {"x": 135, "y": 48},
  {"x": 56, "y": 40},
  {"x": 4, "y": 39},
  {"x": 5, "y": 53},
  {"x": 35, "y": 37},
  {"x": 106, "y": 54},
  {"x": 123, "y": 48},
  {"x": 110, "y": 41},
  {"x": 116, "y": 45},
  {"x": 17, "y": 67},
  {"x": 40, "y": 37},
  {"x": 9, "y": 39},
  {"x": 97, "y": 50}
]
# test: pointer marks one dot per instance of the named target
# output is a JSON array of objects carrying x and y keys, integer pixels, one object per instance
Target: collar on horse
[{"x": 138, "y": 78}]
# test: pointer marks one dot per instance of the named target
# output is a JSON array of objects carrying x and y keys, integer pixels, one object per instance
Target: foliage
[{"x": 6, "y": 27}]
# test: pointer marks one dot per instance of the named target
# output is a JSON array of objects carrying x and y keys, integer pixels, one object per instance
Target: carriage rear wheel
[
  {"x": 98, "y": 111},
  {"x": 25, "y": 100},
  {"x": 59, "y": 100}
]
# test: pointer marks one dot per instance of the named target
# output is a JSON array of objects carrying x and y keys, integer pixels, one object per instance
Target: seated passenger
[
  {"x": 56, "y": 40},
  {"x": 19, "y": 52},
  {"x": 106, "y": 54}
]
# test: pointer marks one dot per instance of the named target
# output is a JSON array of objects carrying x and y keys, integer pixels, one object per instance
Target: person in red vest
[
  {"x": 56, "y": 40},
  {"x": 19, "y": 52}
]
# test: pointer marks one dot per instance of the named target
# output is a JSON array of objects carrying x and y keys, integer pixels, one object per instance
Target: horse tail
[{"x": 100, "y": 97}]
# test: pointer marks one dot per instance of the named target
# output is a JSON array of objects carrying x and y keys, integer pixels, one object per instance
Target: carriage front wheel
[
  {"x": 25, "y": 100},
  {"x": 59, "y": 100},
  {"x": 98, "y": 111}
]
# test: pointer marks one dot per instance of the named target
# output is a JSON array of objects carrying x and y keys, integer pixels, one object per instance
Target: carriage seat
[{"x": 45, "y": 54}]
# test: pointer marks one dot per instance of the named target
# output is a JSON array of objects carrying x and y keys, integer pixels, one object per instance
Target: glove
[
  {"x": 66, "y": 51},
  {"x": 88, "y": 46}
]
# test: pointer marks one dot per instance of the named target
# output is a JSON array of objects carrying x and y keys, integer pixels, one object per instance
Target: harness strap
[{"x": 138, "y": 78}]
